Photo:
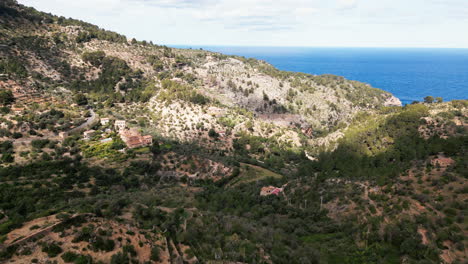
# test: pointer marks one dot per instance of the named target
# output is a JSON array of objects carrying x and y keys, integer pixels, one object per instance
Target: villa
[{"x": 133, "y": 138}]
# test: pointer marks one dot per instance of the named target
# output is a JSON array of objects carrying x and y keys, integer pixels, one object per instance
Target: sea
[{"x": 408, "y": 73}]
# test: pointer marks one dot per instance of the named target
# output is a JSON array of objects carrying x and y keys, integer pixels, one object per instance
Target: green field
[{"x": 251, "y": 173}]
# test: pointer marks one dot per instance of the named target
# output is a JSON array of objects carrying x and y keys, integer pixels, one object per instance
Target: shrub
[
  {"x": 52, "y": 250},
  {"x": 6, "y": 97},
  {"x": 155, "y": 255},
  {"x": 212, "y": 133},
  {"x": 69, "y": 257},
  {"x": 94, "y": 58},
  {"x": 80, "y": 99}
]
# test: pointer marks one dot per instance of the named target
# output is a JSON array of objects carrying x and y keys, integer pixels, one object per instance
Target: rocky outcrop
[{"x": 392, "y": 101}]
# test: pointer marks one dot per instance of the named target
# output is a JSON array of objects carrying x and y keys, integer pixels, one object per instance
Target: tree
[
  {"x": 95, "y": 58},
  {"x": 119, "y": 258},
  {"x": 13, "y": 66},
  {"x": 118, "y": 144},
  {"x": 7, "y": 158},
  {"x": 80, "y": 99},
  {"x": 212, "y": 133},
  {"x": 439, "y": 99},
  {"x": 83, "y": 37},
  {"x": 6, "y": 97},
  {"x": 155, "y": 149},
  {"x": 429, "y": 99},
  {"x": 155, "y": 253}
]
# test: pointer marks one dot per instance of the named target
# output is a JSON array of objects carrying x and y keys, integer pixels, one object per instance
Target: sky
[{"x": 304, "y": 23}]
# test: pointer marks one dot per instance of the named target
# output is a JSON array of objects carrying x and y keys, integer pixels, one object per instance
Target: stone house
[
  {"x": 148, "y": 140},
  {"x": 105, "y": 121},
  {"x": 133, "y": 138},
  {"x": 120, "y": 124}
]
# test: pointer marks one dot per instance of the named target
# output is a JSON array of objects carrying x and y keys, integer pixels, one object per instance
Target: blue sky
[{"x": 324, "y": 23}]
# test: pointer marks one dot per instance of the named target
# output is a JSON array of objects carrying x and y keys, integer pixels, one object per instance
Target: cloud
[
  {"x": 175, "y": 3},
  {"x": 257, "y": 14},
  {"x": 347, "y": 4},
  {"x": 250, "y": 15},
  {"x": 276, "y": 22}
]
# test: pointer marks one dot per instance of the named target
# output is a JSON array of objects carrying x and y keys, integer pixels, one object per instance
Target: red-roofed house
[
  {"x": 133, "y": 138},
  {"x": 269, "y": 190}
]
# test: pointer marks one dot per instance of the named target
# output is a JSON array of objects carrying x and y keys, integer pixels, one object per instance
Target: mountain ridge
[{"x": 122, "y": 151}]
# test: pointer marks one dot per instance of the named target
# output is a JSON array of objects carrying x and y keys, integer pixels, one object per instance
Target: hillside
[{"x": 123, "y": 151}]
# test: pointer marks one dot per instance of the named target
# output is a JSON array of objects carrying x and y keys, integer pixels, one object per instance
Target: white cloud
[
  {"x": 347, "y": 4},
  {"x": 276, "y": 22}
]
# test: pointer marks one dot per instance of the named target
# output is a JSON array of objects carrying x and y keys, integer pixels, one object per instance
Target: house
[
  {"x": 147, "y": 140},
  {"x": 270, "y": 190},
  {"x": 120, "y": 124},
  {"x": 88, "y": 134},
  {"x": 133, "y": 138},
  {"x": 134, "y": 142},
  {"x": 105, "y": 121}
]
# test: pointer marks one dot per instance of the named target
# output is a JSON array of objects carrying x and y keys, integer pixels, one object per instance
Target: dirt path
[
  {"x": 85, "y": 124},
  {"x": 24, "y": 234}
]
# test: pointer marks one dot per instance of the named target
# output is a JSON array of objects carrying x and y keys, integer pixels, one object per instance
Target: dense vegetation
[{"x": 392, "y": 189}]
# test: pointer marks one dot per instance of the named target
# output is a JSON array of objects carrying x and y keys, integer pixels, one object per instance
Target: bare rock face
[{"x": 392, "y": 101}]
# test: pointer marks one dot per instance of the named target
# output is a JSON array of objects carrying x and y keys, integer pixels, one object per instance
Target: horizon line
[{"x": 292, "y": 46}]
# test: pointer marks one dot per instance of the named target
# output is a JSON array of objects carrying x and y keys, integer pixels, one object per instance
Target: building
[
  {"x": 120, "y": 124},
  {"x": 147, "y": 140},
  {"x": 106, "y": 140},
  {"x": 270, "y": 190},
  {"x": 133, "y": 138},
  {"x": 88, "y": 134},
  {"x": 105, "y": 121}
]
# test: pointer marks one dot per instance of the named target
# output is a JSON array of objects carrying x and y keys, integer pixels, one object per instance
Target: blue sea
[{"x": 408, "y": 73}]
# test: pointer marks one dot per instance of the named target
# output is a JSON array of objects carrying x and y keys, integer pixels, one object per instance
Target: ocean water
[{"x": 408, "y": 73}]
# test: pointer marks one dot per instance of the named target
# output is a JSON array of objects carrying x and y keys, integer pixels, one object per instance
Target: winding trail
[{"x": 85, "y": 124}]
